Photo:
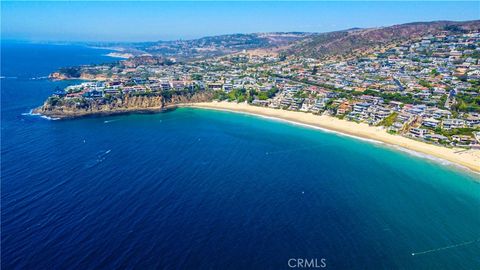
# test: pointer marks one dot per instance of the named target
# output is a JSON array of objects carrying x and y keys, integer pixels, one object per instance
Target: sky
[{"x": 151, "y": 21}]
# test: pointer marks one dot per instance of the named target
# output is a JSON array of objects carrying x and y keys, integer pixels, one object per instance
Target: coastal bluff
[{"x": 63, "y": 108}]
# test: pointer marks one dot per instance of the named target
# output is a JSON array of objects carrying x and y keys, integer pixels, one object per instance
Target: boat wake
[
  {"x": 7, "y": 77},
  {"x": 39, "y": 78},
  {"x": 446, "y": 247},
  {"x": 110, "y": 121},
  {"x": 101, "y": 156}
]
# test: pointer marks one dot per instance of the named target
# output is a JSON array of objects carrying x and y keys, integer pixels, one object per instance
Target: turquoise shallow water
[{"x": 194, "y": 188}]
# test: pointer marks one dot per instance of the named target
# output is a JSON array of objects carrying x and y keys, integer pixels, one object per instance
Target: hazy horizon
[{"x": 153, "y": 21}]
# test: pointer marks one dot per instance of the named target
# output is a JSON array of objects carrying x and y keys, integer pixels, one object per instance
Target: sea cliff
[
  {"x": 60, "y": 76},
  {"x": 63, "y": 108}
]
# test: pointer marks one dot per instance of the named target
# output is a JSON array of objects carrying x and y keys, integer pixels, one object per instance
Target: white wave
[
  {"x": 49, "y": 118},
  {"x": 433, "y": 158},
  {"x": 305, "y": 125},
  {"x": 396, "y": 147},
  {"x": 39, "y": 78},
  {"x": 31, "y": 113}
]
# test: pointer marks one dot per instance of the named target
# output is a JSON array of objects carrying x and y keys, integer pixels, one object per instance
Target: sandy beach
[
  {"x": 465, "y": 158},
  {"x": 120, "y": 55}
]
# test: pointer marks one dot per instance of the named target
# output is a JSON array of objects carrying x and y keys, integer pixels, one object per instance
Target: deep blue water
[{"x": 201, "y": 189}]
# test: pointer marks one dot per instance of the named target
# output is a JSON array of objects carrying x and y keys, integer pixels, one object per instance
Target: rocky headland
[{"x": 62, "y": 108}]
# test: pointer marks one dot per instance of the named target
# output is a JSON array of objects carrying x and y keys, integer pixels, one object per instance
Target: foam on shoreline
[
  {"x": 31, "y": 113},
  {"x": 453, "y": 160}
]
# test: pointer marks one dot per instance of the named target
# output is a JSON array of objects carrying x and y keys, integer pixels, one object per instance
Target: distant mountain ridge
[
  {"x": 210, "y": 46},
  {"x": 315, "y": 45},
  {"x": 354, "y": 40}
]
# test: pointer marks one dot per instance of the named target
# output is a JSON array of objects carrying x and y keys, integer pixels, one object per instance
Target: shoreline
[
  {"x": 85, "y": 114},
  {"x": 466, "y": 159},
  {"x": 120, "y": 55}
]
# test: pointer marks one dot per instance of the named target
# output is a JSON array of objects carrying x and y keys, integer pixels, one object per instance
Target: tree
[
  {"x": 197, "y": 77},
  {"x": 219, "y": 95},
  {"x": 424, "y": 83},
  {"x": 389, "y": 120}
]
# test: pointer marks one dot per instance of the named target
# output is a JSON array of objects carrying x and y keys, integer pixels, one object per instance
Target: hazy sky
[{"x": 149, "y": 21}]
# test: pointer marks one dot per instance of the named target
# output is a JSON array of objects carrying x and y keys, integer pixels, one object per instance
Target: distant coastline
[
  {"x": 120, "y": 55},
  {"x": 469, "y": 159}
]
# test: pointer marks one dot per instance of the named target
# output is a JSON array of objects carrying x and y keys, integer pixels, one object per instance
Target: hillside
[
  {"x": 209, "y": 46},
  {"x": 355, "y": 41}
]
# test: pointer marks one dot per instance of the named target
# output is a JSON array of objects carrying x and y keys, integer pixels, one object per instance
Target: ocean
[{"x": 200, "y": 189}]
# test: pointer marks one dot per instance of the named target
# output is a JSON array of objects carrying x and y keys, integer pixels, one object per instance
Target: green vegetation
[
  {"x": 475, "y": 85},
  {"x": 219, "y": 95},
  {"x": 475, "y": 54},
  {"x": 456, "y": 131},
  {"x": 467, "y": 103},
  {"x": 387, "y": 97},
  {"x": 389, "y": 120},
  {"x": 239, "y": 95},
  {"x": 77, "y": 102},
  {"x": 268, "y": 94},
  {"x": 197, "y": 77},
  {"x": 53, "y": 100},
  {"x": 425, "y": 84},
  {"x": 441, "y": 102},
  {"x": 305, "y": 81},
  {"x": 329, "y": 106},
  {"x": 73, "y": 72},
  {"x": 300, "y": 94},
  {"x": 454, "y": 28}
]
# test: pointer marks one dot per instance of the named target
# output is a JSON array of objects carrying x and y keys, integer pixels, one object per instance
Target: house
[
  {"x": 436, "y": 137},
  {"x": 165, "y": 85},
  {"x": 361, "y": 107},
  {"x": 227, "y": 87},
  {"x": 111, "y": 91},
  {"x": 343, "y": 108},
  {"x": 215, "y": 86},
  {"x": 379, "y": 113},
  {"x": 463, "y": 139},
  {"x": 177, "y": 85},
  {"x": 258, "y": 102},
  {"x": 59, "y": 92},
  {"x": 418, "y": 132},
  {"x": 395, "y": 105},
  {"x": 453, "y": 123},
  {"x": 477, "y": 136},
  {"x": 430, "y": 122},
  {"x": 437, "y": 114},
  {"x": 472, "y": 121},
  {"x": 93, "y": 94}
]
